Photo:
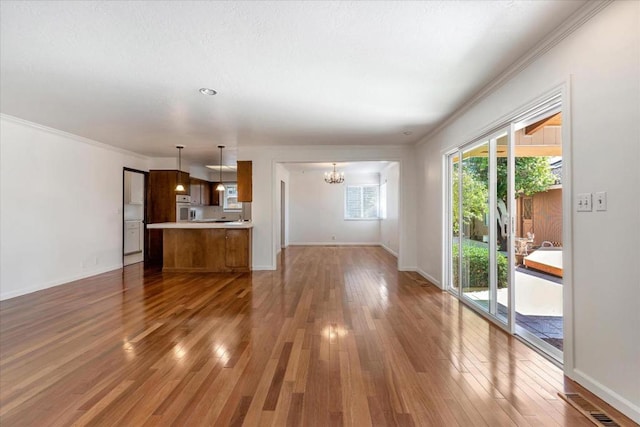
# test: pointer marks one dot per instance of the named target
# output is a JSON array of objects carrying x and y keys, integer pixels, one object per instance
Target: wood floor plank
[{"x": 335, "y": 336}]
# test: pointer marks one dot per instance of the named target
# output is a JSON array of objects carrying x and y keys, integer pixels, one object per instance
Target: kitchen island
[{"x": 215, "y": 247}]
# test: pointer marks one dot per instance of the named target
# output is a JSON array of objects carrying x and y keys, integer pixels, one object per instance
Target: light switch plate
[
  {"x": 583, "y": 203},
  {"x": 601, "y": 201}
]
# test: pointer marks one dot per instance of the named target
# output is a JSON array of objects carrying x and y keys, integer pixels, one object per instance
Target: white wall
[
  {"x": 282, "y": 175},
  {"x": 390, "y": 177},
  {"x": 61, "y": 199},
  {"x": 317, "y": 210},
  {"x": 265, "y": 187},
  {"x": 602, "y": 59}
]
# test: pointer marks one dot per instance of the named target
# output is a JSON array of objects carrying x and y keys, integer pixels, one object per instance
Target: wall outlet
[
  {"x": 601, "y": 201},
  {"x": 583, "y": 202},
  {"x": 333, "y": 237}
]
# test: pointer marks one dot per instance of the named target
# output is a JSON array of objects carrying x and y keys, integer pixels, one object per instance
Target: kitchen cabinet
[
  {"x": 161, "y": 207},
  {"x": 133, "y": 233},
  {"x": 200, "y": 192},
  {"x": 215, "y": 195},
  {"x": 195, "y": 189},
  {"x": 237, "y": 249},
  {"x": 245, "y": 172},
  {"x": 206, "y": 249},
  {"x": 133, "y": 188},
  {"x": 205, "y": 193}
]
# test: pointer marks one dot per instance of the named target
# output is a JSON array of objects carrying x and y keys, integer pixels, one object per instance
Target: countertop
[{"x": 189, "y": 224}]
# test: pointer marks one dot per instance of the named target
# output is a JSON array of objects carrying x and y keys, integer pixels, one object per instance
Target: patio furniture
[{"x": 546, "y": 259}]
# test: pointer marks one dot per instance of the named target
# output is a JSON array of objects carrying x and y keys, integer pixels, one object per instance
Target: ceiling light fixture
[
  {"x": 207, "y": 91},
  {"x": 407, "y": 132},
  {"x": 179, "y": 187},
  {"x": 220, "y": 186},
  {"x": 334, "y": 177}
]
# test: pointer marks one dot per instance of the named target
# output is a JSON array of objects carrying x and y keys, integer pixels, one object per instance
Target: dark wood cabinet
[
  {"x": 205, "y": 193},
  {"x": 245, "y": 179},
  {"x": 200, "y": 192},
  {"x": 215, "y": 195},
  {"x": 161, "y": 206},
  {"x": 206, "y": 250},
  {"x": 237, "y": 249},
  {"x": 161, "y": 203}
]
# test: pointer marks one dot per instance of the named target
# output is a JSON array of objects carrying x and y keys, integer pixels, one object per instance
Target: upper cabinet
[
  {"x": 200, "y": 192},
  {"x": 161, "y": 204},
  {"x": 245, "y": 172},
  {"x": 195, "y": 190},
  {"x": 133, "y": 188}
]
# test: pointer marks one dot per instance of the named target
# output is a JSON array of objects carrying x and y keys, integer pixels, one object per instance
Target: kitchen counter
[
  {"x": 205, "y": 247},
  {"x": 201, "y": 224}
]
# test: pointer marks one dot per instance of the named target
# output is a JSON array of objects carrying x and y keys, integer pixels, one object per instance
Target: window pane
[
  {"x": 370, "y": 202},
  {"x": 231, "y": 197},
  {"x": 362, "y": 202},
  {"x": 354, "y": 202}
]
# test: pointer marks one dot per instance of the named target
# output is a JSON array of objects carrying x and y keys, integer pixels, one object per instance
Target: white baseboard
[
  {"x": 429, "y": 277},
  {"x": 56, "y": 282},
  {"x": 388, "y": 249},
  {"x": 262, "y": 268},
  {"x": 334, "y": 244},
  {"x": 623, "y": 405}
]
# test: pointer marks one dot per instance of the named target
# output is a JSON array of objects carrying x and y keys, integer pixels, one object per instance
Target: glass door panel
[
  {"x": 453, "y": 248},
  {"x": 502, "y": 223},
  {"x": 474, "y": 215}
]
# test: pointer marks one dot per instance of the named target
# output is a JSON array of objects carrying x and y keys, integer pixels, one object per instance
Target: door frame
[
  {"x": 559, "y": 94},
  {"x": 145, "y": 208}
]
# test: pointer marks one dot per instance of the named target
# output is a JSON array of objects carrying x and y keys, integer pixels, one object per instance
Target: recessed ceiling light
[
  {"x": 207, "y": 91},
  {"x": 407, "y": 132}
]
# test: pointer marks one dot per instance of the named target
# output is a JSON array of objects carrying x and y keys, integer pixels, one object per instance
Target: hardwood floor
[{"x": 336, "y": 336}]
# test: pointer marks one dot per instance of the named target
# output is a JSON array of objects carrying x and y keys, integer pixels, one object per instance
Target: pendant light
[
  {"x": 220, "y": 186},
  {"x": 179, "y": 187}
]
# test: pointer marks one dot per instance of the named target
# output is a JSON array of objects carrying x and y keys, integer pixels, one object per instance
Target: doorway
[
  {"x": 283, "y": 219},
  {"x": 134, "y": 184},
  {"x": 504, "y": 221}
]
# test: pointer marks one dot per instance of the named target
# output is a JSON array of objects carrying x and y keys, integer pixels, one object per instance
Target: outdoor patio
[{"x": 538, "y": 304}]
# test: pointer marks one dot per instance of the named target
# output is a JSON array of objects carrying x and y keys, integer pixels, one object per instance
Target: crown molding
[
  {"x": 72, "y": 136},
  {"x": 575, "y": 21}
]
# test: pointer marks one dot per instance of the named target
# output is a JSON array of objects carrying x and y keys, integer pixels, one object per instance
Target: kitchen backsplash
[{"x": 217, "y": 212}]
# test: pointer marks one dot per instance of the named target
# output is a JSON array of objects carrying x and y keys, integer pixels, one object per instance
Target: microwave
[{"x": 183, "y": 207}]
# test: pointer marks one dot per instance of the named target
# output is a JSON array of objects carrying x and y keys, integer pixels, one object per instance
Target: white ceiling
[{"x": 127, "y": 73}]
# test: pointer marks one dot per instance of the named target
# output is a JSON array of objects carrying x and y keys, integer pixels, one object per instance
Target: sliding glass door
[
  {"x": 504, "y": 226},
  {"x": 478, "y": 260}
]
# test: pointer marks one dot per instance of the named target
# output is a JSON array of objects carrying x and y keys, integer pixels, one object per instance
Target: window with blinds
[{"x": 362, "y": 202}]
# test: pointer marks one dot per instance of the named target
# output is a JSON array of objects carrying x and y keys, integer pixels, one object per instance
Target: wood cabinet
[
  {"x": 237, "y": 249},
  {"x": 215, "y": 195},
  {"x": 205, "y": 193},
  {"x": 161, "y": 207},
  {"x": 245, "y": 180},
  {"x": 161, "y": 203},
  {"x": 206, "y": 250},
  {"x": 195, "y": 190},
  {"x": 200, "y": 192}
]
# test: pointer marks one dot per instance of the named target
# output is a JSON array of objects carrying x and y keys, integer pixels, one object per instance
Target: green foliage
[
  {"x": 474, "y": 195},
  {"x": 476, "y": 265},
  {"x": 533, "y": 174}
]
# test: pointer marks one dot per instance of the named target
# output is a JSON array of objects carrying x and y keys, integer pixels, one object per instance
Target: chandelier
[{"x": 334, "y": 177}]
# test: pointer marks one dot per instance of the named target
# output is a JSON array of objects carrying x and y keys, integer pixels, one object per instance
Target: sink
[{"x": 215, "y": 220}]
